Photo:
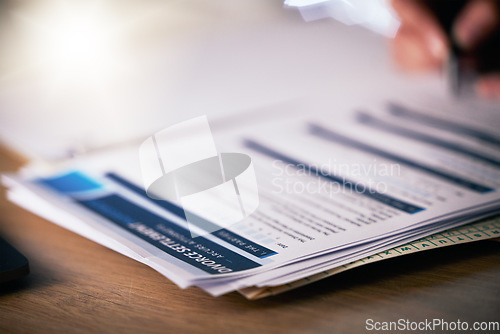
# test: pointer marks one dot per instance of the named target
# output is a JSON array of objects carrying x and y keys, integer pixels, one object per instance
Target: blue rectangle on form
[
  {"x": 224, "y": 234},
  {"x": 171, "y": 238},
  {"x": 72, "y": 182}
]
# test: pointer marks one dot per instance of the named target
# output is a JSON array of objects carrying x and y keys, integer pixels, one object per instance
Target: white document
[{"x": 331, "y": 191}]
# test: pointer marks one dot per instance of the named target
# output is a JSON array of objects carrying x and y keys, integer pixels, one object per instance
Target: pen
[{"x": 453, "y": 70}]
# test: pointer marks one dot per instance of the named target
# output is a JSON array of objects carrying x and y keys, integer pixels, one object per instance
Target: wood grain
[{"x": 78, "y": 286}]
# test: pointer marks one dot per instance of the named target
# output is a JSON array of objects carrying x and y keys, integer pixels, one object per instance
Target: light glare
[{"x": 75, "y": 44}]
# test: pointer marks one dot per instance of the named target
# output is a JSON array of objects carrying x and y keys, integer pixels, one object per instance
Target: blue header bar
[
  {"x": 171, "y": 238},
  {"x": 234, "y": 239}
]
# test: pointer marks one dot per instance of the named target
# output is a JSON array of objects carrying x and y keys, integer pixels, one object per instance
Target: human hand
[{"x": 421, "y": 43}]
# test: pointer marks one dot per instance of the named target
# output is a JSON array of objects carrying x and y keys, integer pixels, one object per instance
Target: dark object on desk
[{"x": 13, "y": 265}]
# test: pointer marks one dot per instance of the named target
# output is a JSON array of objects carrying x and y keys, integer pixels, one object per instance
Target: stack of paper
[
  {"x": 332, "y": 191},
  {"x": 483, "y": 230}
]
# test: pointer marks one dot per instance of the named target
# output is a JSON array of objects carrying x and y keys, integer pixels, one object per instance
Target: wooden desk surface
[{"x": 76, "y": 285}]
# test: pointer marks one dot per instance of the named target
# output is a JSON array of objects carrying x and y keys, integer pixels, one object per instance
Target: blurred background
[{"x": 76, "y": 75}]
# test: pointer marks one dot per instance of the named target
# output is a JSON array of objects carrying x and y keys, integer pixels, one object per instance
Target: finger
[
  {"x": 489, "y": 86},
  {"x": 414, "y": 14},
  {"x": 476, "y": 22},
  {"x": 410, "y": 51}
]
